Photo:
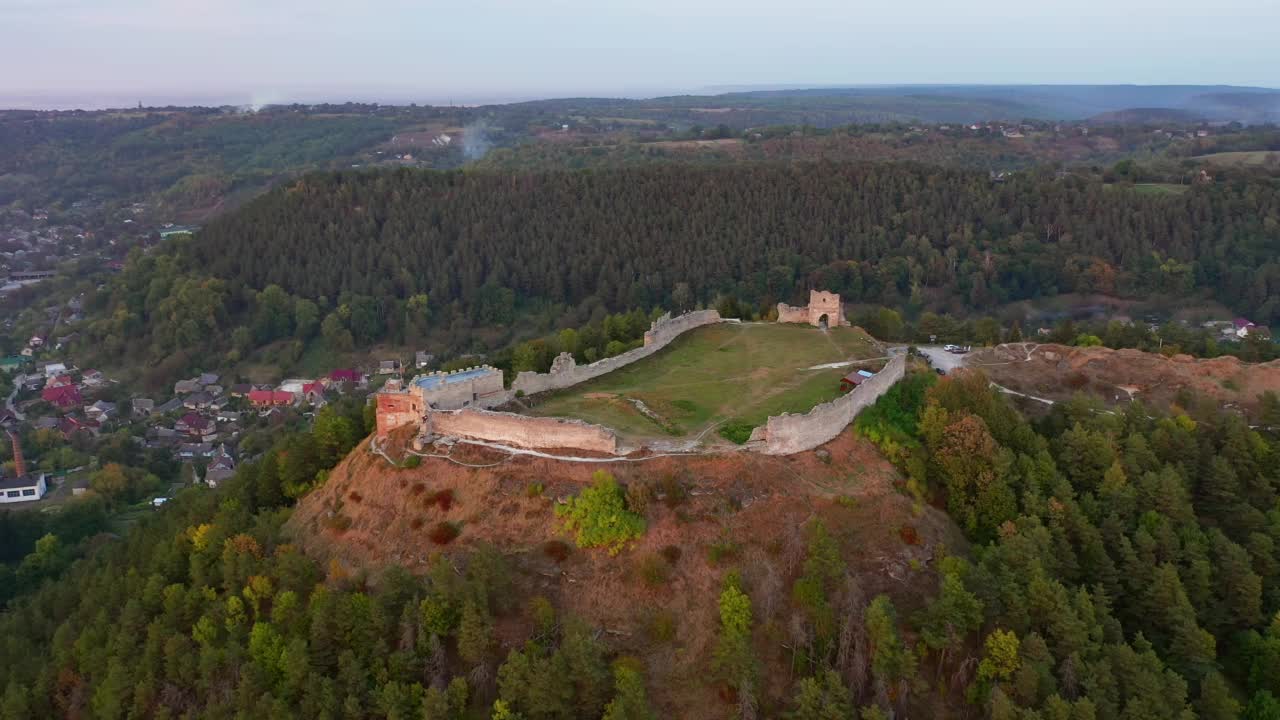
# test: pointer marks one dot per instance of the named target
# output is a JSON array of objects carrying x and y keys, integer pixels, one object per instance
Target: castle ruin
[
  {"x": 473, "y": 387},
  {"x": 824, "y": 310}
]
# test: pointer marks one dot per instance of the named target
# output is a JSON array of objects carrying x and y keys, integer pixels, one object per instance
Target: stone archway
[{"x": 823, "y": 321}]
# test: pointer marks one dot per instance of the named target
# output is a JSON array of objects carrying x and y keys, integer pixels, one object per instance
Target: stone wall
[
  {"x": 396, "y": 409},
  {"x": 790, "y": 314},
  {"x": 524, "y": 431},
  {"x": 790, "y": 433},
  {"x": 666, "y": 328},
  {"x": 483, "y": 390},
  {"x": 565, "y": 374}
]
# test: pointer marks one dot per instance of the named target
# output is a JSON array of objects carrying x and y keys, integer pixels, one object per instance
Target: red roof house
[
  {"x": 70, "y": 425},
  {"x": 850, "y": 381},
  {"x": 347, "y": 375},
  {"x": 270, "y": 397},
  {"x": 63, "y": 397}
]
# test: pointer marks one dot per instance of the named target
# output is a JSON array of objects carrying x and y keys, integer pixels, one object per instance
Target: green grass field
[
  {"x": 1246, "y": 157},
  {"x": 727, "y": 372}
]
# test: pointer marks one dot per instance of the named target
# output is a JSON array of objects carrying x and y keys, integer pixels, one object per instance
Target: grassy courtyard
[{"x": 733, "y": 374}]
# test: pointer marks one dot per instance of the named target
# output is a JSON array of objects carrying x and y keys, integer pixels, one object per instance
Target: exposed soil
[
  {"x": 1057, "y": 372},
  {"x": 751, "y": 507}
]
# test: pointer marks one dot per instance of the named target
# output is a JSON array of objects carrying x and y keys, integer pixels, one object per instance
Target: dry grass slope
[{"x": 657, "y": 599}]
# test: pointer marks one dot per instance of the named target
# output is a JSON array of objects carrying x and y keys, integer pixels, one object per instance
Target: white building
[{"x": 24, "y": 488}]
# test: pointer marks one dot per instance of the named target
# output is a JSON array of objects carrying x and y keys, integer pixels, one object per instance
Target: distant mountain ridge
[
  {"x": 1066, "y": 102},
  {"x": 833, "y": 106}
]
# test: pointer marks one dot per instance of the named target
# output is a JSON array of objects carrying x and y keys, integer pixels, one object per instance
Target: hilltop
[{"x": 656, "y": 599}]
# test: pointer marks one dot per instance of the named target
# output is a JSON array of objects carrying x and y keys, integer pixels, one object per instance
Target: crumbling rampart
[
  {"x": 792, "y": 433},
  {"x": 524, "y": 431},
  {"x": 565, "y": 372}
]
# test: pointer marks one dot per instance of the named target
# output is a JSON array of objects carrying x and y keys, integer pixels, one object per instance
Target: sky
[{"x": 87, "y": 53}]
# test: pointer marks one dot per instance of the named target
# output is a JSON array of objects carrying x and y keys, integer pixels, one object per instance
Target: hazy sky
[{"x": 471, "y": 50}]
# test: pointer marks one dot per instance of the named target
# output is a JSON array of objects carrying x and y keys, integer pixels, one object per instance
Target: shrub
[
  {"x": 355, "y": 497},
  {"x": 686, "y": 405},
  {"x": 338, "y": 523},
  {"x": 672, "y": 553},
  {"x": 736, "y": 431},
  {"x": 661, "y": 626},
  {"x": 410, "y": 462},
  {"x": 847, "y": 501},
  {"x": 442, "y": 499},
  {"x": 673, "y": 491},
  {"x": 417, "y": 489},
  {"x": 534, "y": 489},
  {"x": 599, "y": 517},
  {"x": 654, "y": 570},
  {"x": 556, "y": 550},
  {"x": 721, "y": 551},
  {"x": 909, "y": 535},
  {"x": 443, "y": 533},
  {"x": 639, "y": 493},
  {"x": 416, "y": 523}
]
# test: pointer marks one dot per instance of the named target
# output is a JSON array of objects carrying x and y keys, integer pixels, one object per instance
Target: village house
[
  {"x": 92, "y": 378},
  {"x": 70, "y": 425},
  {"x": 22, "y": 486},
  {"x": 313, "y": 392},
  {"x": 168, "y": 406},
  {"x": 268, "y": 398},
  {"x": 59, "y": 381},
  {"x": 339, "y": 378},
  {"x": 54, "y": 368},
  {"x": 197, "y": 401},
  {"x": 63, "y": 397},
  {"x": 191, "y": 451},
  {"x": 293, "y": 386},
  {"x": 422, "y": 359},
  {"x": 221, "y": 467},
  {"x": 240, "y": 390},
  {"x": 196, "y": 426},
  {"x": 207, "y": 379},
  {"x": 101, "y": 411},
  {"x": 142, "y": 407},
  {"x": 388, "y": 367}
]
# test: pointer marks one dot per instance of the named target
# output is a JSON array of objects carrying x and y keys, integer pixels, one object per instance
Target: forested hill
[{"x": 628, "y": 237}]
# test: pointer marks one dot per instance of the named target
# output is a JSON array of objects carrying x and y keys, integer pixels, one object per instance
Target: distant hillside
[
  {"x": 825, "y": 106},
  {"x": 1145, "y": 116}
]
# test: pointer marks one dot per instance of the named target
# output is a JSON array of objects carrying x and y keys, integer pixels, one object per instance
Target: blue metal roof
[
  {"x": 429, "y": 382},
  {"x": 865, "y": 373}
]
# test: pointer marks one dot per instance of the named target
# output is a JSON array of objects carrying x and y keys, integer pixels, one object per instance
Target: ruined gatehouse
[{"x": 824, "y": 310}]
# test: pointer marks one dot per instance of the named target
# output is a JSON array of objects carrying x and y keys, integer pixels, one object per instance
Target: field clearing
[
  {"x": 1245, "y": 157},
  {"x": 1152, "y": 188},
  {"x": 1160, "y": 188},
  {"x": 728, "y": 372}
]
